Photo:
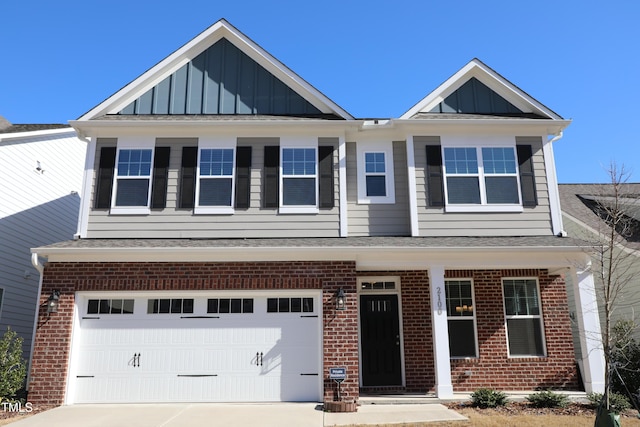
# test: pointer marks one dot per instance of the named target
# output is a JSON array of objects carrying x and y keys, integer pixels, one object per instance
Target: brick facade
[{"x": 340, "y": 328}]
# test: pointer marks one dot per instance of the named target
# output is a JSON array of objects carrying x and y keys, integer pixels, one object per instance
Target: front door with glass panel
[{"x": 380, "y": 340}]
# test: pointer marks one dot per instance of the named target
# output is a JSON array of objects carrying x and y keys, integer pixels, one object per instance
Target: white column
[
  {"x": 413, "y": 192},
  {"x": 440, "y": 330},
  {"x": 588, "y": 328},
  {"x": 342, "y": 182}
]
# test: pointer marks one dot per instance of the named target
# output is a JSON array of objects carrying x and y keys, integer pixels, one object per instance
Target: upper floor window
[
  {"x": 375, "y": 172},
  {"x": 215, "y": 180},
  {"x": 132, "y": 193},
  {"x": 524, "y": 317},
  {"x": 486, "y": 176},
  {"x": 299, "y": 176}
]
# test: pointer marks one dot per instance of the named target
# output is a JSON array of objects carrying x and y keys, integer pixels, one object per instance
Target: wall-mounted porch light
[
  {"x": 53, "y": 301},
  {"x": 341, "y": 300}
]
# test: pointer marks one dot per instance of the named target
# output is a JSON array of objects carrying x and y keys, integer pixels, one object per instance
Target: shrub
[
  {"x": 488, "y": 398},
  {"x": 617, "y": 402},
  {"x": 13, "y": 368},
  {"x": 625, "y": 358},
  {"x": 548, "y": 399}
]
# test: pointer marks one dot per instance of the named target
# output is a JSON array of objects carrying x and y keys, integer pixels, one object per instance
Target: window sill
[
  {"x": 211, "y": 210},
  {"x": 130, "y": 211},
  {"x": 298, "y": 210},
  {"x": 484, "y": 208},
  {"x": 377, "y": 201}
]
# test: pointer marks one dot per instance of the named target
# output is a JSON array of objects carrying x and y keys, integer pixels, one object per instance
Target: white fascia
[{"x": 36, "y": 134}]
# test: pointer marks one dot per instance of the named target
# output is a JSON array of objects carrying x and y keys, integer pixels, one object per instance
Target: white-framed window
[
  {"x": 481, "y": 178},
  {"x": 375, "y": 172},
  {"x": 523, "y": 314},
  {"x": 298, "y": 176},
  {"x": 461, "y": 318},
  {"x": 215, "y": 184},
  {"x": 133, "y": 174}
]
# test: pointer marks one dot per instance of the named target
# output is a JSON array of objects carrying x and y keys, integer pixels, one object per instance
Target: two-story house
[
  {"x": 243, "y": 235},
  {"x": 41, "y": 169}
]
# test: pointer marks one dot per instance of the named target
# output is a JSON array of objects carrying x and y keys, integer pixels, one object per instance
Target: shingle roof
[
  {"x": 209, "y": 117},
  {"x": 338, "y": 242},
  {"x": 577, "y": 201},
  {"x": 32, "y": 127}
]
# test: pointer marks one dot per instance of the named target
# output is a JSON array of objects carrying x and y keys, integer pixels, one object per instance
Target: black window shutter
[
  {"x": 188, "y": 177},
  {"x": 243, "y": 177},
  {"x": 325, "y": 172},
  {"x": 435, "y": 183},
  {"x": 271, "y": 176},
  {"x": 104, "y": 184},
  {"x": 527, "y": 176},
  {"x": 160, "y": 172}
]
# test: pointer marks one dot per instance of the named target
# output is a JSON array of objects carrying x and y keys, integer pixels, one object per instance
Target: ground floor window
[
  {"x": 523, "y": 317},
  {"x": 461, "y": 318}
]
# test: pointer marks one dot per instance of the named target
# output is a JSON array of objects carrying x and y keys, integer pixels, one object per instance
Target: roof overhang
[{"x": 375, "y": 258}]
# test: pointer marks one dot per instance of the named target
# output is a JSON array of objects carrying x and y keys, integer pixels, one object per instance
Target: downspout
[
  {"x": 554, "y": 196},
  {"x": 38, "y": 266}
]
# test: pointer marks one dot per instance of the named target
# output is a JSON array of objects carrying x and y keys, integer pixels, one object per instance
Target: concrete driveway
[{"x": 232, "y": 415}]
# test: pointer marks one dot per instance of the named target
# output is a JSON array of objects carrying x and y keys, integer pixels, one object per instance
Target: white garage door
[{"x": 197, "y": 348}]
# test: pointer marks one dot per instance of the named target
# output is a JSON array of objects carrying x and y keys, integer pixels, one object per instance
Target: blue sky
[{"x": 374, "y": 58}]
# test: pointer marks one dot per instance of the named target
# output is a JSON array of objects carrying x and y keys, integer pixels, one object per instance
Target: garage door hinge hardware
[
  {"x": 90, "y": 318},
  {"x": 136, "y": 360},
  {"x": 199, "y": 317},
  {"x": 259, "y": 359},
  {"x": 315, "y": 375},
  {"x": 197, "y": 375}
]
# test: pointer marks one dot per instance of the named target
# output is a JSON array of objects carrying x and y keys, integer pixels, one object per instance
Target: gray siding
[
  {"x": 436, "y": 222},
  {"x": 379, "y": 219},
  {"x": 172, "y": 222}
]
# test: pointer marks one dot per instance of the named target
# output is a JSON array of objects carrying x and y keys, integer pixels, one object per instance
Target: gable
[
  {"x": 221, "y": 80},
  {"x": 474, "y": 97},
  {"x": 476, "y": 89}
]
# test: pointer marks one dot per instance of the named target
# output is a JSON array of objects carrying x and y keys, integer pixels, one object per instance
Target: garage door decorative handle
[{"x": 259, "y": 359}]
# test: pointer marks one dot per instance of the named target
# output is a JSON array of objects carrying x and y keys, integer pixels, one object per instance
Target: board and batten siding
[
  {"x": 436, "y": 222},
  {"x": 37, "y": 208},
  {"x": 379, "y": 219},
  {"x": 255, "y": 222}
]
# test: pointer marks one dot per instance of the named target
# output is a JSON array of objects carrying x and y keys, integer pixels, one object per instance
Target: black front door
[{"x": 380, "y": 340}]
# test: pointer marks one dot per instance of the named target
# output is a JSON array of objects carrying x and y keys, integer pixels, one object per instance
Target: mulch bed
[{"x": 524, "y": 408}]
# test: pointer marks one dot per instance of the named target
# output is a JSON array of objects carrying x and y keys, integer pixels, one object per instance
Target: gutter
[{"x": 38, "y": 266}]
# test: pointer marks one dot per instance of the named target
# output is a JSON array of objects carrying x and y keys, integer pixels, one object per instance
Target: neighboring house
[
  {"x": 41, "y": 169},
  {"x": 242, "y": 235},
  {"x": 581, "y": 208}
]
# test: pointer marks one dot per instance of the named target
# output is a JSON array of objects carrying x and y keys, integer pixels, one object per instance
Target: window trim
[
  {"x": 302, "y": 143},
  {"x": 214, "y": 143},
  {"x": 142, "y": 143},
  {"x": 538, "y": 316},
  {"x": 362, "y": 149},
  {"x": 458, "y": 318},
  {"x": 3, "y": 293},
  {"x": 478, "y": 144}
]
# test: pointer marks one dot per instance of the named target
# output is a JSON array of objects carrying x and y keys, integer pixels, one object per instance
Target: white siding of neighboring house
[{"x": 36, "y": 208}]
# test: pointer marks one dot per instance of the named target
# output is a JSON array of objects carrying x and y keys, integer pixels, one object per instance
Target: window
[
  {"x": 485, "y": 176},
  {"x": 523, "y": 317},
  {"x": 215, "y": 180},
  {"x": 133, "y": 177},
  {"x": 174, "y": 305},
  {"x": 299, "y": 180},
  {"x": 375, "y": 172},
  {"x": 289, "y": 305},
  {"x": 461, "y": 318},
  {"x": 369, "y": 286},
  {"x": 230, "y": 305},
  {"x": 110, "y": 306}
]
